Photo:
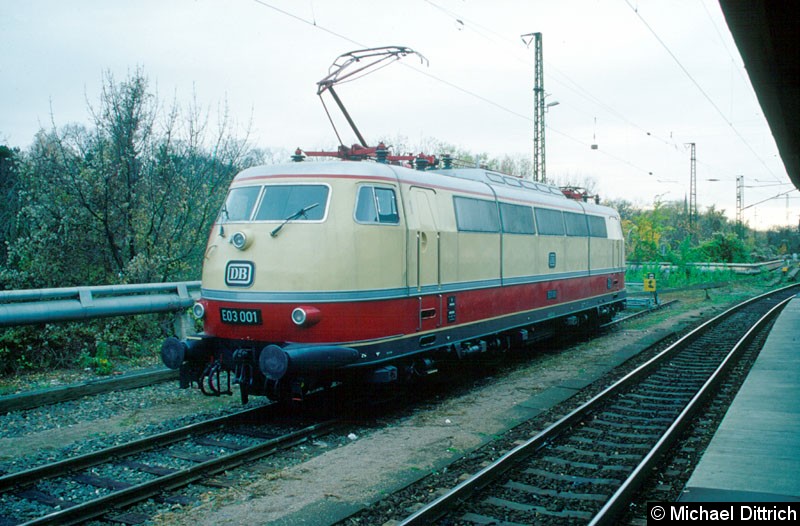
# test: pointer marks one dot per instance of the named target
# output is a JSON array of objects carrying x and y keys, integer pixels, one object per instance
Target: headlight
[
  {"x": 306, "y": 316},
  {"x": 198, "y": 310},
  {"x": 239, "y": 240}
]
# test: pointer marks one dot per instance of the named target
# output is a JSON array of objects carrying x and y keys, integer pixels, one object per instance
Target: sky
[{"x": 640, "y": 79}]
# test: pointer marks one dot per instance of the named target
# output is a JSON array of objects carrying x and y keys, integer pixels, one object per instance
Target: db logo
[{"x": 239, "y": 274}]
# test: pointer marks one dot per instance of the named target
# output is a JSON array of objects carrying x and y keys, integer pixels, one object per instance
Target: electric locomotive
[
  {"x": 323, "y": 272},
  {"x": 371, "y": 271}
]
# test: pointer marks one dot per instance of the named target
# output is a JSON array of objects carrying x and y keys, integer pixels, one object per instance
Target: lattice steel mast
[
  {"x": 693, "y": 187},
  {"x": 739, "y": 204},
  {"x": 539, "y": 166}
]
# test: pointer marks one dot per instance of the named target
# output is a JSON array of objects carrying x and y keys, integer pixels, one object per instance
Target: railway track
[
  {"x": 108, "y": 480},
  {"x": 586, "y": 467},
  {"x": 109, "y": 495},
  {"x": 636, "y": 315},
  {"x": 54, "y": 395}
]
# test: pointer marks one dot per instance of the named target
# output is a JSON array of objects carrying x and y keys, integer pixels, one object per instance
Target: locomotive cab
[{"x": 289, "y": 264}]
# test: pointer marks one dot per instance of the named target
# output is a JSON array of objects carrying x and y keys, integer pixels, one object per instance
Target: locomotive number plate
[{"x": 240, "y": 316}]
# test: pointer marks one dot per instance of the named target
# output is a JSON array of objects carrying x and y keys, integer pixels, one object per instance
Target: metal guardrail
[
  {"x": 29, "y": 307},
  {"x": 739, "y": 268}
]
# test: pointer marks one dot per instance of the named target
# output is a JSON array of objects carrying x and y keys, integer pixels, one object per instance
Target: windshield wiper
[{"x": 301, "y": 212}]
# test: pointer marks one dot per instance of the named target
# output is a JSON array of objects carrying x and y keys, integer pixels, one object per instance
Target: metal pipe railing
[{"x": 29, "y": 307}]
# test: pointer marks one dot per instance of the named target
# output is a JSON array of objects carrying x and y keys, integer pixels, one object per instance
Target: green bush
[{"x": 101, "y": 345}]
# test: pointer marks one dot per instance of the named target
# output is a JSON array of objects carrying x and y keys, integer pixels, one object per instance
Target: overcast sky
[{"x": 640, "y": 79}]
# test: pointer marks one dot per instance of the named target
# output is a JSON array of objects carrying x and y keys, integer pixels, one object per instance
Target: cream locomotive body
[{"x": 317, "y": 272}]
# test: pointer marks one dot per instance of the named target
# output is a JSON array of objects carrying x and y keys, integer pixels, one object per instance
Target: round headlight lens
[
  {"x": 239, "y": 240},
  {"x": 306, "y": 316},
  {"x": 299, "y": 316},
  {"x": 198, "y": 310}
]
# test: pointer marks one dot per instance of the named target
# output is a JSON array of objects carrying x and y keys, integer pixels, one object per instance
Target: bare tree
[{"x": 131, "y": 199}]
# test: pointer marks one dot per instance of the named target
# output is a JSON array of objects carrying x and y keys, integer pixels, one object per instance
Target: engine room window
[
  {"x": 597, "y": 226},
  {"x": 283, "y": 201},
  {"x": 576, "y": 224},
  {"x": 517, "y": 219},
  {"x": 376, "y": 205},
  {"x": 551, "y": 222},
  {"x": 476, "y": 215},
  {"x": 239, "y": 204}
]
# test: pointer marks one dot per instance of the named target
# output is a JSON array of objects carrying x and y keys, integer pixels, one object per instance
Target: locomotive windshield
[
  {"x": 274, "y": 203},
  {"x": 239, "y": 204},
  {"x": 282, "y": 201}
]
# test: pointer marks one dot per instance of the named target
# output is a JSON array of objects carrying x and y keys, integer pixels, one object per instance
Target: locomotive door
[{"x": 423, "y": 255}]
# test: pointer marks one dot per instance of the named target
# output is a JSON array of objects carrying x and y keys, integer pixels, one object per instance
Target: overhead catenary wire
[
  {"x": 770, "y": 198},
  {"x": 563, "y": 80},
  {"x": 316, "y": 25},
  {"x": 512, "y": 50},
  {"x": 700, "y": 88},
  {"x": 578, "y": 89}
]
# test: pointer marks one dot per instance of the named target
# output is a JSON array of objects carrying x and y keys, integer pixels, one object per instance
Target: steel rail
[
  {"x": 100, "y": 506},
  {"x": 640, "y": 314},
  {"x": 620, "y": 499},
  {"x": 429, "y": 513},
  {"x": 54, "y": 395},
  {"x": 30, "y": 476}
]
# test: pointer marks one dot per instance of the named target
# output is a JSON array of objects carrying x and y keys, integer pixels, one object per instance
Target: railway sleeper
[
  {"x": 546, "y": 492},
  {"x": 572, "y": 479},
  {"x": 598, "y": 454},
  {"x": 563, "y": 462},
  {"x": 537, "y": 510},
  {"x": 609, "y": 444}
]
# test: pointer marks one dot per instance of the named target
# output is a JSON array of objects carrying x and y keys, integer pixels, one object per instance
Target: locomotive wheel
[{"x": 278, "y": 391}]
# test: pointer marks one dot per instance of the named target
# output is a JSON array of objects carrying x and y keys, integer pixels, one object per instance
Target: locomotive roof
[
  {"x": 499, "y": 179},
  {"x": 503, "y": 184},
  {"x": 371, "y": 169}
]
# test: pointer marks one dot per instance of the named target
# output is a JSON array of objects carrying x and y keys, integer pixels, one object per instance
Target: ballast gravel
[{"x": 37, "y": 436}]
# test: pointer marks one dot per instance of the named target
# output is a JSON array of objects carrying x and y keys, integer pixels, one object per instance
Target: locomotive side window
[
  {"x": 282, "y": 201},
  {"x": 551, "y": 222},
  {"x": 517, "y": 219},
  {"x": 576, "y": 224},
  {"x": 476, "y": 215},
  {"x": 376, "y": 205},
  {"x": 239, "y": 204},
  {"x": 597, "y": 226}
]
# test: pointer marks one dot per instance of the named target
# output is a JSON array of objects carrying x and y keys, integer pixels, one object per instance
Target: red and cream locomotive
[{"x": 320, "y": 272}]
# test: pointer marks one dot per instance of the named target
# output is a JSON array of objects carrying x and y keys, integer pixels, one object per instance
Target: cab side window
[
  {"x": 239, "y": 204},
  {"x": 376, "y": 204}
]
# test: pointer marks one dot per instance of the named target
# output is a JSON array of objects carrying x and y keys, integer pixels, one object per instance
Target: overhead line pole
[
  {"x": 739, "y": 203},
  {"x": 539, "y": 165},
  {"x": 693, "y": 187}
]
